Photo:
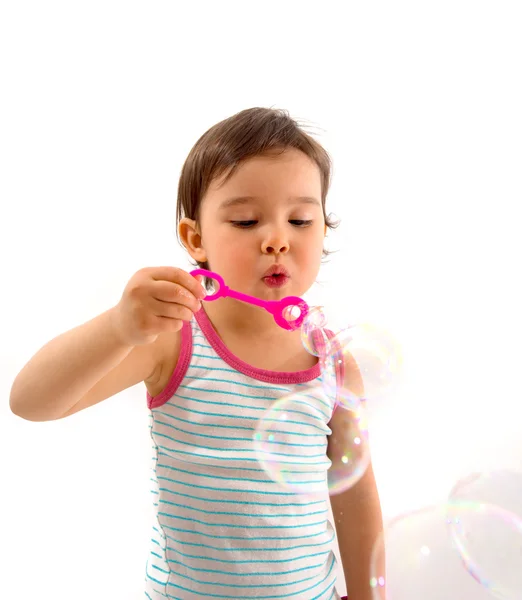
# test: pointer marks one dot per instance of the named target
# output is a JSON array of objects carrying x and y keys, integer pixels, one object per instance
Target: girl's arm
[
  {"x": 358, "y": 522},
  {"x": 356, "y": 511}
]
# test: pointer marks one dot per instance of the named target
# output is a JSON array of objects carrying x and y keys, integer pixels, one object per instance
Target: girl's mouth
[{"x": 276, "y": 280}]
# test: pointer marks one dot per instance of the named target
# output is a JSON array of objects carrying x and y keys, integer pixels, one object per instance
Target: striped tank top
[{"x": 222, "y": 527}]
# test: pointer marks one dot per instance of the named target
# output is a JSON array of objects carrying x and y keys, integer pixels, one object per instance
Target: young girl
[{"x": 251, "y": 207}]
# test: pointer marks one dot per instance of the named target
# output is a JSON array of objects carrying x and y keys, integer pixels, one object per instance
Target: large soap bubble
[
  {"x": 298, "y": 450},
  {"x": 485, "y": 523},
  {"x": 415, "y": 557}
]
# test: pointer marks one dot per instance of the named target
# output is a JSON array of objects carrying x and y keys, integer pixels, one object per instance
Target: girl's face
[{"x": 268, "y": 213}]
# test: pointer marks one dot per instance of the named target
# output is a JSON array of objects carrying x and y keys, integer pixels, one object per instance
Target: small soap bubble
[
  {"x": 313, "y": 332},
  {"x": 291, "y": 313},
  {"x": 371, "y": 351}
]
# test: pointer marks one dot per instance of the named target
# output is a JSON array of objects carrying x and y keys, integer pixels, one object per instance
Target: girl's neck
[
  {"x": 261, "y": 345},
  {"x": 234, "y": 318}
]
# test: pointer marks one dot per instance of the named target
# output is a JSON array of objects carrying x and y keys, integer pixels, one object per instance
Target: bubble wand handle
[{"x": 274, "y": 307}]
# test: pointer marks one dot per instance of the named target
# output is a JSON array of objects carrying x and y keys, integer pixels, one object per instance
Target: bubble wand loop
[{"x": 274, "y": 307}]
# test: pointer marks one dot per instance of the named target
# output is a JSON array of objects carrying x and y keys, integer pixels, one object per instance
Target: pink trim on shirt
[
  {"x": 179, "y": 372},
  {"x": 231, "y": 359},
  {"x": 235, "y": 362}
]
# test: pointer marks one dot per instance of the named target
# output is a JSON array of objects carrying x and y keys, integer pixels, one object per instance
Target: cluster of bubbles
[{"x": 468, "y": 546}]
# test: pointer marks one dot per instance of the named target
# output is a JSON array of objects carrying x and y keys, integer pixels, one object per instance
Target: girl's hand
[{"x": 156, "y": 300}]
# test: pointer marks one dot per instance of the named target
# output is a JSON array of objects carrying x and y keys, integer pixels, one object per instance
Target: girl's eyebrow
[{"x": 239, "y": 200}]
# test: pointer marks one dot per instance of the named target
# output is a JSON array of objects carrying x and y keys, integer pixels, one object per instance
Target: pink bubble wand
[{"x": 275, "y": 307}]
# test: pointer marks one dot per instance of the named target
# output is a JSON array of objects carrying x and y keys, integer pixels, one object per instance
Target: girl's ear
[{"x": 191, "y": 238}]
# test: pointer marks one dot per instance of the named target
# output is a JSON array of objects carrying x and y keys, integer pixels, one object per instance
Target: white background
[{"x": 418, "y": 104}]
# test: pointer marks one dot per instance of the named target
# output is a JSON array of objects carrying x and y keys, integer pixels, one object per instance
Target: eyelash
[{"x": 241, "y": 224}]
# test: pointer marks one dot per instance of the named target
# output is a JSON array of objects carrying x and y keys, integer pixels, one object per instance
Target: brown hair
[{"x": 251, "y": 132}]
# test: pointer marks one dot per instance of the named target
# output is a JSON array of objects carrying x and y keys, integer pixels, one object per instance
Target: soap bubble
[
  {"x": 313, "y": 332},
  {"x": 377, "y": 357},
  {"x": 416, "y": 555},
  {"x": 290, "y": 441},
  {"x": 485, "y": 522},
  {"x": 500, "y": 487},
  {"x": 291, "y": 314},
  {"x": 298, "y": 450}
]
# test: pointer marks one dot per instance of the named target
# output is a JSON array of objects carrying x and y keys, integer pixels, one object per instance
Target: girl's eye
[
  {"x": 246, "y": 224},
  {"x": 243, "y": 224},
  {"x": 301, "y": 223}
]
